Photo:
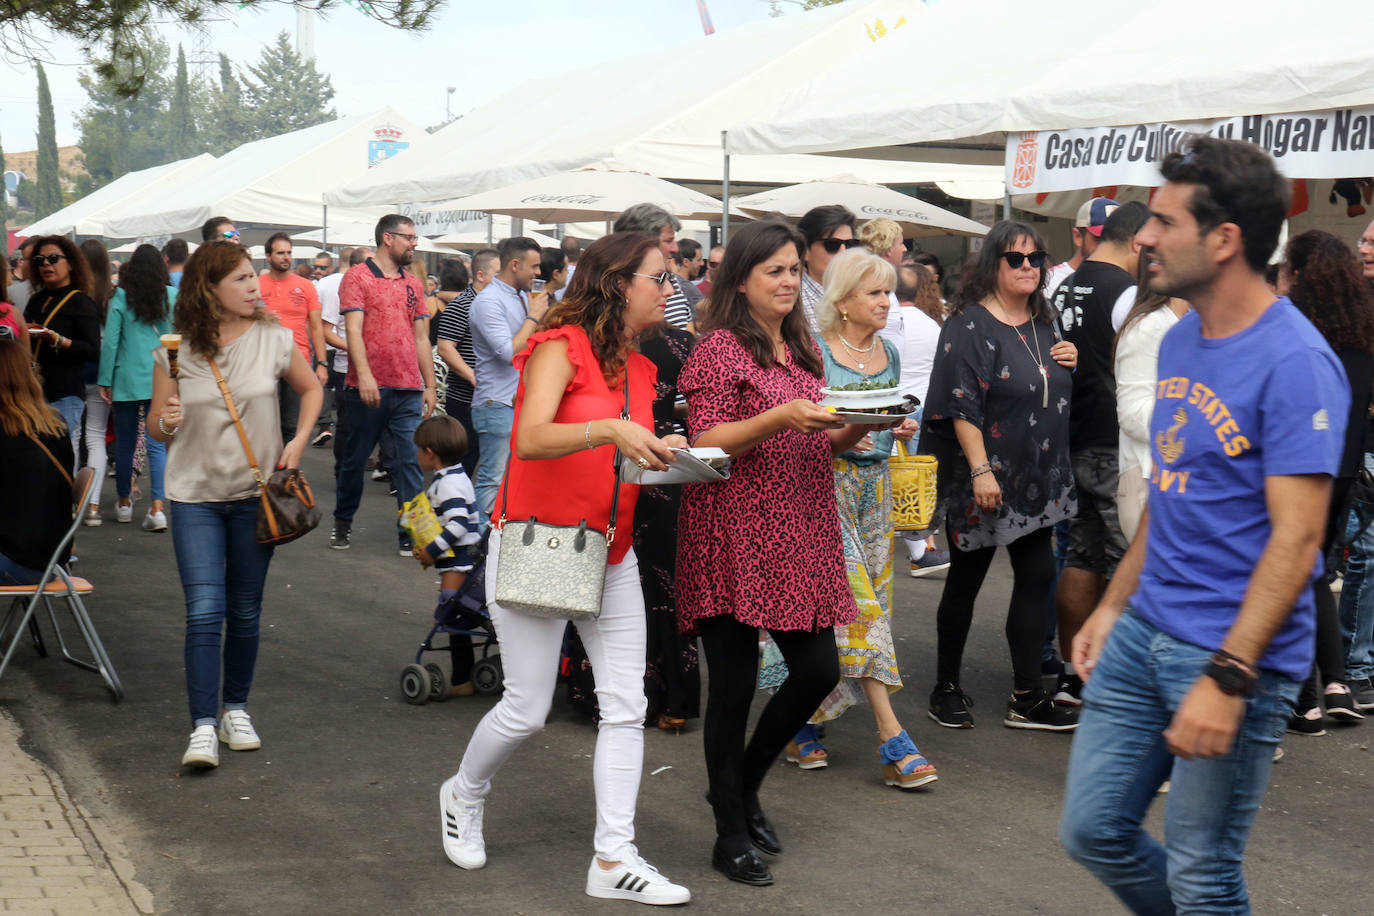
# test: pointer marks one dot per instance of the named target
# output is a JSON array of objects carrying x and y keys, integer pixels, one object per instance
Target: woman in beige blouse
[{"x": 210, "y": 484}]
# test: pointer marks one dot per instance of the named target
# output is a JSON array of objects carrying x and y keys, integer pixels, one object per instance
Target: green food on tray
[{"x": 866, "y": 385}]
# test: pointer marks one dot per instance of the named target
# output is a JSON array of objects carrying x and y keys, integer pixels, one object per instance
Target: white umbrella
[
  {"x": 353, "y": 235},
  {"x": 596, "y": 192},
  {"x": 466, "y": 241},
  {"x": 298, "y": 252},
  {"x": 868, "y": 201},
  {"x": 128, "y": 247}
]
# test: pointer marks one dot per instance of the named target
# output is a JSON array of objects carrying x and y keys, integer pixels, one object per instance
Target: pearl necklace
[{"x": 857, "y": 352}]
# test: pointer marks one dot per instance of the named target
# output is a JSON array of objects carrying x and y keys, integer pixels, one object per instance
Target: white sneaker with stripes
[
  {"x": 461, "y": 829},
  {"x": 634, "y": 879}
]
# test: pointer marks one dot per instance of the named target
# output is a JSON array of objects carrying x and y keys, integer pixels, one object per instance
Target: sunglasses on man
[
  {"x": 231, "y": 234},
  {"x": 41, "y": 259},
  {"x": 833, "y": 246},
  {"x": 1016, "y": 258}
]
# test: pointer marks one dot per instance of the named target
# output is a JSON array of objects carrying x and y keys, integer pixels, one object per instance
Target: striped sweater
[{"x": 454, "y": 502}]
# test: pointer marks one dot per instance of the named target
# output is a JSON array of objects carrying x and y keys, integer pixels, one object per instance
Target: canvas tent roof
[
  {"x": 618, "y": 113},
  {"x": 1073, "y": 63},
  {"x": 86, "y": 216},
  {"x": 274, "y": 182}
]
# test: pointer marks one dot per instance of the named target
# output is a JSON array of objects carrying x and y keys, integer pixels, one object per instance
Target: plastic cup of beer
[{"x": 172, "y": 342}]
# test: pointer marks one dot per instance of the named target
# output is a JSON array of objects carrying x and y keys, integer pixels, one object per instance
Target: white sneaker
[
  {"x": 124, "y": 514},
  {"x": 203, "y": 751},
  {"x": 461, "y": 829},
  {"x": 236, "y": 730},
  {"x": 155, "y": 521},
  {"x": 92, "y": 519},
  {"x": 634, "y": 879}
]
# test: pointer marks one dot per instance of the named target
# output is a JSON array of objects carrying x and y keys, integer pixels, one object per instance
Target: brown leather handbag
[{"x": 286, "y": 503}]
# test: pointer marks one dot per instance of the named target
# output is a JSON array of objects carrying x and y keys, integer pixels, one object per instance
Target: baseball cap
[{"x": 1093, "y": 214}]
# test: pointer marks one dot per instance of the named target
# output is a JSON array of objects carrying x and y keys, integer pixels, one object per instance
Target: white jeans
[
  {"x": 530, "y": 647},
  {"x": 97, "y": 420}
]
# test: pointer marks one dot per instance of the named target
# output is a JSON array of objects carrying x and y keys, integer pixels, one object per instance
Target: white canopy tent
[
  {"x": 1073, "y": 63},
  {"x": 917, "y": 218},
  {"x": 87, "y": 215},
  {"x": 353, "y": 235},
  {"x": 596, "y": 191},
  {"x": 277, "y": 182},
  {"x": 617, "y": 112}
]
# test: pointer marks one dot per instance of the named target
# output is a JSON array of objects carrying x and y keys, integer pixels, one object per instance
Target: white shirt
[
  {"x": 328, "y": 290},
  {"x": 920, "y": 339},
  {"x": 893, "y": 329},
  {"x": 567, "y": 282},
  {"x": 1137, "y": 370},
  {"x": 1122, "y": 307}
]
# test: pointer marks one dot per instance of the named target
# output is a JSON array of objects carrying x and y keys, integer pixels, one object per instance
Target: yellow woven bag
[{"x": 913, "y": 489}]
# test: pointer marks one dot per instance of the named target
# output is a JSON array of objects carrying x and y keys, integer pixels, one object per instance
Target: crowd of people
[{"x": 1167, "y": 438}]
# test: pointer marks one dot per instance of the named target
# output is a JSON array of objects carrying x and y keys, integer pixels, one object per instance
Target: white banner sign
[
  {"x": 443, "y": 222},
  {"x": 1319, "y": 144}
]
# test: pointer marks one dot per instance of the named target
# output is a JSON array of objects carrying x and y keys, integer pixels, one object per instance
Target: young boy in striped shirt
[{"x": 440, "y": 444}]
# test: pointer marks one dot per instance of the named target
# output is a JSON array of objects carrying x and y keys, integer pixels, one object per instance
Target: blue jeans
[
  {"x": 397, "y": 415},
  {"x": 223, "y": 569},
  {"x": 493, "y": 421},
  {"x": 1357, "y": 602},
  {"x": 1120, "y": 758},
  {"x": 11, "y": 573},
  {"x": 71, "y": 408},
  {"x": 126, "y": 437}
]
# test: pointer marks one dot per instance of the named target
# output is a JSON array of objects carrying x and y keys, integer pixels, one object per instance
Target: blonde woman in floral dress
[{"x": 850, "y": 315}]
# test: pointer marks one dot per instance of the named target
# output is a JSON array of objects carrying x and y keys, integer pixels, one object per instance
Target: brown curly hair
[
  {"x": 595, "y": 301},
  {"x": 198, "y": 311},
  {"x": 80, "y": 276},
  {"x": 1329, "y": 288}
]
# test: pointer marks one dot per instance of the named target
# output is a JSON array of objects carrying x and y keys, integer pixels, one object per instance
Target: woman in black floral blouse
[{"x": 998, "y": 421}]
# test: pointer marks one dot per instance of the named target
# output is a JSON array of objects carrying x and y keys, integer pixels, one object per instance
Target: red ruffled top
[{"x": 564, "y": 491}]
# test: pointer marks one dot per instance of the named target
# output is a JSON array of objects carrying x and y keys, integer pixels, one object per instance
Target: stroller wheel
[
  {"x": 415, "y": 685},
  {"x": 438, "y": 684},
  {"x": 487, "y": 676}
]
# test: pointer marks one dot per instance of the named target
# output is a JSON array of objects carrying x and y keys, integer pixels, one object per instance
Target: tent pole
[
  {"x": 725, "y": 188},
  {"x": 488, "y": 229},
  {"x": 1006, "y": 205},
  {"x": 324, "y": 229}
]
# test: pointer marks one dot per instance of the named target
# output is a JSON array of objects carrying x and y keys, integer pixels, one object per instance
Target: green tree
[
  {"x": 181, "y": 120},
  {"x": 48, "y": 194},
  {"x": 228, "y": 121},
  {"x": 116, "y": 31},
  {"x": 4, "y": 203},
  {"x": 121, "y": 134},
  {"x": 289, "y": 87}
]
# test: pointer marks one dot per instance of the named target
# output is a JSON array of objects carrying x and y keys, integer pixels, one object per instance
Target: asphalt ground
[{"x": 336, "y": 814}]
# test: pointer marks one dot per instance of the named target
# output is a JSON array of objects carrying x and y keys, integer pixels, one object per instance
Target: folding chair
[{"x": 58, "y": 583}]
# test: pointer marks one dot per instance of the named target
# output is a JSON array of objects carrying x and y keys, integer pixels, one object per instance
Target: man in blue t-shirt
[{"x": 1196, "y": 652}]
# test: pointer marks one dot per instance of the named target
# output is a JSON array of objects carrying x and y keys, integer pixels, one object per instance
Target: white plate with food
[
  {"x": 877, "y": 417},
  {"x": 849, "y": 399}
]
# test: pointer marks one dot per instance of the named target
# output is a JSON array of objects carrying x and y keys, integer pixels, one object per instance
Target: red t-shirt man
[
  {"x": 292, "y": 299},
  {"x": 390, "y": 307}
]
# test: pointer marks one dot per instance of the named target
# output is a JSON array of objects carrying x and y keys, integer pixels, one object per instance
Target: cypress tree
[
  {"x": 181, "y": 126},
  {"x": 47, "y": 191}
]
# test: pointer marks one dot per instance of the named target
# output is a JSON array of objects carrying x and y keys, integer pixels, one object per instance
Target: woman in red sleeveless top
[{"x": 566, "y": 431}]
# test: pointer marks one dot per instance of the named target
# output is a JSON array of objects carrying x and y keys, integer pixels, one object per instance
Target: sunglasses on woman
[
  {"x": 1016, "y": 258},
  {"x": 659, "y": 279},
  {"x": 41, "y": 259},
  {"x": 833, "y": 246}
]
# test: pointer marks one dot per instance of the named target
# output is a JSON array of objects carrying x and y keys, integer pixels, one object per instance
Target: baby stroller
[{"x": 463, "y": 614}]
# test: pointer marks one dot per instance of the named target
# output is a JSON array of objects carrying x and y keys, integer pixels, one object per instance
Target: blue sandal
[
  {"x": 915, "y": 774},
  {"x": 805, "y": 749}
]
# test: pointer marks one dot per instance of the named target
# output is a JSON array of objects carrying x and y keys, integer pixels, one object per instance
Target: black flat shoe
[
  {"x": 746, "y": 868},
  {"x": 762, "y": 834}
]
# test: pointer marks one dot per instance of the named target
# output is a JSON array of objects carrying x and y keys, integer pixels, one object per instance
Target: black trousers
[
  {"x": 1329, "y": 665},
  {"x": 735, "y": 770},
  {"x": 1032, "y": 564}
]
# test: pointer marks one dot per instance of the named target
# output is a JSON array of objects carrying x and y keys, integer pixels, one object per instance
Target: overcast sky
[{"x": 483, "y": 48}]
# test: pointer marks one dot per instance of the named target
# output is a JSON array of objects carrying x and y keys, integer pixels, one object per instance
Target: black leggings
[
  {"x": 735, "y": 771},
  {"x": 1032, "y": 564},
  {"x": 1329, "y": 664}
]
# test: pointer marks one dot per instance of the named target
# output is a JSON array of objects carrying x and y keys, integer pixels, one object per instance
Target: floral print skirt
[{"x": 864, "y": 494}]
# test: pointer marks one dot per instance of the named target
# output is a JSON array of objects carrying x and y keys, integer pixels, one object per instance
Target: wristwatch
[{"x": 1232, "y": 677}]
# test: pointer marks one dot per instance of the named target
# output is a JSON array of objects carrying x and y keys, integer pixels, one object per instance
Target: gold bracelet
[{"x": 587, "y": 433}]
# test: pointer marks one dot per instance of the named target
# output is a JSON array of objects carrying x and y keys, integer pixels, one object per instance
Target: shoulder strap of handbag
[
  {"x": 53, "y": 314},
  {"x": 65, "y": 473},
  {"x": 615, "y": 474},
  {"x": 238, "y": 424}
]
